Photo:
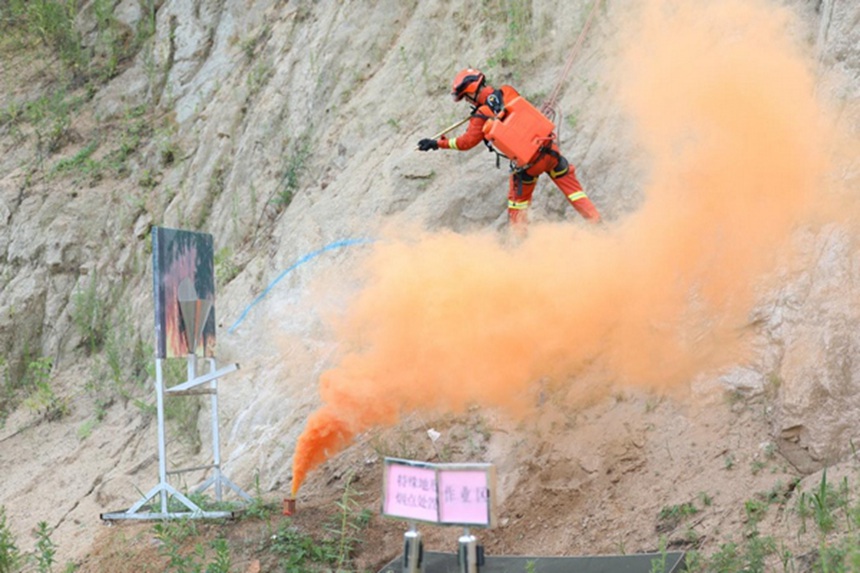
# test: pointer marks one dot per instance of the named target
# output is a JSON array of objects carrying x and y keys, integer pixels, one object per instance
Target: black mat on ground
[{"x": 642, "y": 563}]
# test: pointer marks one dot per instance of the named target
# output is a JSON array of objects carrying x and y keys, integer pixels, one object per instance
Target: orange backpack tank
[{"x": 518, "y": 130}]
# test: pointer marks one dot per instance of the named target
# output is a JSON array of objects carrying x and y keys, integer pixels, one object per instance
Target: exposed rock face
[
  {"x": 812, "y": 328},
  {"x": 812, "y": 322},
  {"x": 282, "y": 127}
]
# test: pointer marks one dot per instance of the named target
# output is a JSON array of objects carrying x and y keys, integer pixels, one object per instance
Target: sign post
[{"x": 413, "y": 550}]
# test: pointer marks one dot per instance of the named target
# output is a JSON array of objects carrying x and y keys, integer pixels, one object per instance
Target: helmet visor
[{"x": 467, "y": 86}]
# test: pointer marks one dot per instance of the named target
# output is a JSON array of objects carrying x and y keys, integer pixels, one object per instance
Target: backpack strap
[
  {"x": 496, "y": 102},
  {"x": 474, "y": 113},
  {"x": 545, "y": 150},
  {"x": 498, "y": 153}
]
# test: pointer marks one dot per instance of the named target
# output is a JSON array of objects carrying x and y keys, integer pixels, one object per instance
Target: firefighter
[{"x": 470, "y": 84}]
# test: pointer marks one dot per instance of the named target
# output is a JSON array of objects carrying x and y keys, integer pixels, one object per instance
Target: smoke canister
[{"x": 289, "y": 505}]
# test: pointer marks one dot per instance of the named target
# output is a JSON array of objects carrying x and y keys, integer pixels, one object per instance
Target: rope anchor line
[{"x": 548, "y": 108}]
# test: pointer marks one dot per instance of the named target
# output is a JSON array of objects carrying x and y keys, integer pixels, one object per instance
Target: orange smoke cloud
[{"x": 722, "y": 101}]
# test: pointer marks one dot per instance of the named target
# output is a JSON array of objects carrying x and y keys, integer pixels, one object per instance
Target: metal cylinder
[
  {"x": 413, "y": 552},
  {"x": 467, "y": 554}
]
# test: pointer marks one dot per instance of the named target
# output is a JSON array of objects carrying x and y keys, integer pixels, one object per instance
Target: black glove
[{"x": 428, "y": 144}]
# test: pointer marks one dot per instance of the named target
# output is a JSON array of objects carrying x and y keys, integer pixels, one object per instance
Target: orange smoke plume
[
  {"x": 721, "y": 100},
  {"x": 325, "y": 433}
]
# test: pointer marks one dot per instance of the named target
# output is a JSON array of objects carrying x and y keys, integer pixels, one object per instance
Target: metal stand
[
  {"x": 413, "y": 551},
  {"x": 194, "y": 321},
  {"x": 470, "y": 555}
]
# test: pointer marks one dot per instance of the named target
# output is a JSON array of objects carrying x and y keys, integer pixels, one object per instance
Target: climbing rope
[{"x": 548, "y": 107}]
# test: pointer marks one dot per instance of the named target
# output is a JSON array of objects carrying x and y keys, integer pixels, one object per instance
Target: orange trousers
[{"x": 522, "y": 185}]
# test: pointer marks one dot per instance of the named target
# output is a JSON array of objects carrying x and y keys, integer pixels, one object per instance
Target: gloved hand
[{"x": 427, "y": 144}]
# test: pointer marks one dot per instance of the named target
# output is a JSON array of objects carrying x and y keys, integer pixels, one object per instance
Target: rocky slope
[{"x": 285, "y": 127}]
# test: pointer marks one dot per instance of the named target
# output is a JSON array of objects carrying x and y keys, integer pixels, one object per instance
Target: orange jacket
[{"x": 475, "y": 131}]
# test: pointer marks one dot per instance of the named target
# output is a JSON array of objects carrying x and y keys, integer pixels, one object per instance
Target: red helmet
[{"x": 467, "y": 82}]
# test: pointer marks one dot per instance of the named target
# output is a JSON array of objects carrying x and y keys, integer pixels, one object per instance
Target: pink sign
[
  {"x": 410, "y": 492},
  {"x": 464, "y": 497},
  {"x": 447, "y": 494}
]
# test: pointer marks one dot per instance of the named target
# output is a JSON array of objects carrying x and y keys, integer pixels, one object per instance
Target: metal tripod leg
[{"x": 164, "y": 490}]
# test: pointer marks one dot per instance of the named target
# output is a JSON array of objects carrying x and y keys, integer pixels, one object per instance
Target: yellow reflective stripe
[
  {"x": 556, "y": 174},
  {"x": 452, "y": 144},
  {"x": 518, "y": 205},
  {"x": 577, "y": 196}
]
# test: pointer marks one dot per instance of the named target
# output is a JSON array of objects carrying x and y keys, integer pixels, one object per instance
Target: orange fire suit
[{"x": 522, "y": 182}]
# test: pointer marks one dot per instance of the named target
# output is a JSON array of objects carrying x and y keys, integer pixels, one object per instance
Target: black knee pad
[{"x": 561, "y": 168}]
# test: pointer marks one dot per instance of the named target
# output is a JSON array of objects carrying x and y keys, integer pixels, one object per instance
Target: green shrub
[
  {"x": 41, "y": 397},
  {"x": 46, "y": 550},
  {"x": 90, "y": 316},
  {"x": 294, "y": 168},
  {"x": 9, "y": 554}
]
